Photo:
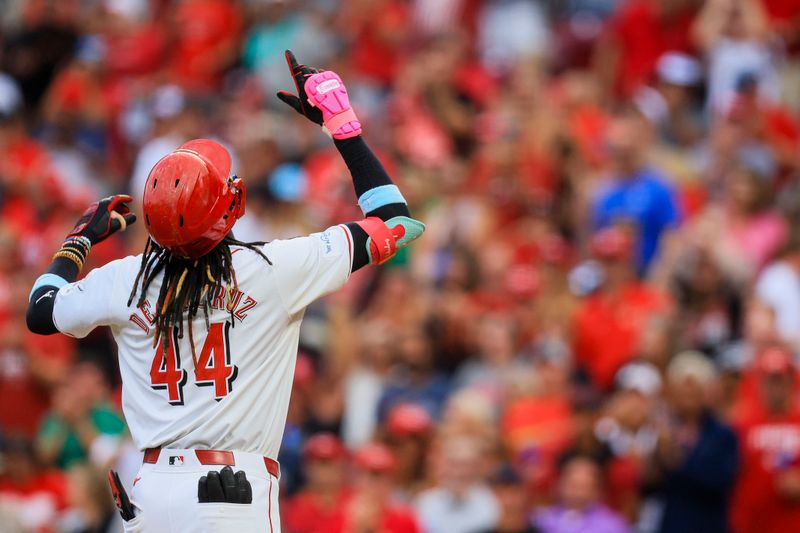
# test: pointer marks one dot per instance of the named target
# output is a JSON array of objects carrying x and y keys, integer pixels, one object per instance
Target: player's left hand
[
  {"x": 321, "y": 98},
  {"x": 299, "y": 102},
  {"x": 103, "y": 218}
]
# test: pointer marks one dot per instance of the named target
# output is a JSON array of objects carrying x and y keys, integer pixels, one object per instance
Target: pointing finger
[{"x": 291, "y": 60}]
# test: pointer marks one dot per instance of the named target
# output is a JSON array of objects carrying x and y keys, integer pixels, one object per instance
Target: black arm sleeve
[
  {"x": 360, "y": 256},
  {"x": 40, "y": 309},
  {"x": 368, "y": 173},
  {"x": 365, "y": 168}
]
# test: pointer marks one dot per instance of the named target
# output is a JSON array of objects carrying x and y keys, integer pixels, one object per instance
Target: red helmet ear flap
[{"x": 238, "y": 187}]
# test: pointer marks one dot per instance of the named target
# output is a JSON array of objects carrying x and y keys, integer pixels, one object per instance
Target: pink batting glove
[{"x": 326, "y": 92}]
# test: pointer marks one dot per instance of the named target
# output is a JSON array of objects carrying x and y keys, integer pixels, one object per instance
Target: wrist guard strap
[
  {"x": 326, "y": 91},
  {"x": 385, "y": 238}
]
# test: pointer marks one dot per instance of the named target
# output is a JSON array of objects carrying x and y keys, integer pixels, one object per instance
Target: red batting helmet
[{"x": 191, "y": 201}]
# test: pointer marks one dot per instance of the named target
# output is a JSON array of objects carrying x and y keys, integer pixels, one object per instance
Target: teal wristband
[
  {"x": 45, "y": 280},
  {"x": 379, "y": 197}
]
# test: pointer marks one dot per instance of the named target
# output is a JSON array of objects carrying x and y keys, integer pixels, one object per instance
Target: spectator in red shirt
[
  {"x": 640, "y": 32},
  {"x": 371, "y": 507},
  {"x": 767, "y": 496},
  {"x": 537, "y": 421},
  {"x": 324, "y": 494},
  {"x": 381, "y": 30},
  {"x": 208, "y": 33},
  {"x": 30, "y": 368},
  {"x": 34, "y": 495},
  {"x": 785, "y": 19},
  {"x": 136, "y": 41},
  {"x": 609, "y": 324}
]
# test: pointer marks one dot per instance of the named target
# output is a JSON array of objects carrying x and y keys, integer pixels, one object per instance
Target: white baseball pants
[{"x": 164, "y": 495}]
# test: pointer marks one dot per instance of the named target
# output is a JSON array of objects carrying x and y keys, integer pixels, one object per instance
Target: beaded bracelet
[
  {"x": 75, "y": 248},
  {"x": 72, "y": 256},
  {"x": 81, "y": 241}
]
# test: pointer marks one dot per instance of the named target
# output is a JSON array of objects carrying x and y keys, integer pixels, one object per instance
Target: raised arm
[
  {"x": 98, "y": 222},
  {"x": 716, "y": 15},
  {"x": 322, "y": 98}
]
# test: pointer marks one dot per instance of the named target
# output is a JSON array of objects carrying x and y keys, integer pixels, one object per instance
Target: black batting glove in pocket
[{"x": 224, "y": 487}]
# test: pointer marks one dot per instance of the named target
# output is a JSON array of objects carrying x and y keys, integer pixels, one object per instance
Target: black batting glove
[
  {"x": 299, "y": 102},
  {"x": 120, "y": 497},
  {"x": 224, "y": 487},
  {"x": 104, "y": 218}
]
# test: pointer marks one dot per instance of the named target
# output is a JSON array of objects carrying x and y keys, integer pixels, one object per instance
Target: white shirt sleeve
[
  {"x": 307, "y": 268},
  {"x": 86, "y": 304}
]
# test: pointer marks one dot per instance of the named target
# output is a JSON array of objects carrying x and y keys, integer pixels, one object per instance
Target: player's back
[{"x": 233, "y": 392}]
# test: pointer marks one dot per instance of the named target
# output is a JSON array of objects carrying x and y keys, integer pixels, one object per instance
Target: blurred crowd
[{"x": 599, "y": 331}]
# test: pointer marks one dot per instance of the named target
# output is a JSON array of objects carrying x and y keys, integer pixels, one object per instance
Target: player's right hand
[{"x": 104, "y": 218}]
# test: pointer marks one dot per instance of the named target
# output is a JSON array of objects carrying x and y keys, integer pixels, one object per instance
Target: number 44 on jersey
[{"x": 214, "y": 368}]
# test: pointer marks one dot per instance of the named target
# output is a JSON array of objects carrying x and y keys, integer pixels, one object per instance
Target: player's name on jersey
[{"x": 231, "y": 301}]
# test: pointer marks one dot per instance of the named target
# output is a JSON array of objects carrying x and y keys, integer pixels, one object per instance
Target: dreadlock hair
[{"x": 188, "y": 284}]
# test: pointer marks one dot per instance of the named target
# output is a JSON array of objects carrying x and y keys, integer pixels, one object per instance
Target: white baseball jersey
[{"x": 237, "y": 396}]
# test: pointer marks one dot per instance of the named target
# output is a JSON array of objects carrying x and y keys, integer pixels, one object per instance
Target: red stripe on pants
[{"x": 269, "y": 505}]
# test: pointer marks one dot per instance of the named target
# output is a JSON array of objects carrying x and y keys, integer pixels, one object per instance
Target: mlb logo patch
[{"x": 175, "y": 460}]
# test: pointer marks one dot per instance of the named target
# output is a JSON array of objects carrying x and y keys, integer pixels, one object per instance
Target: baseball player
[{"x": 207, "y": 326}]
